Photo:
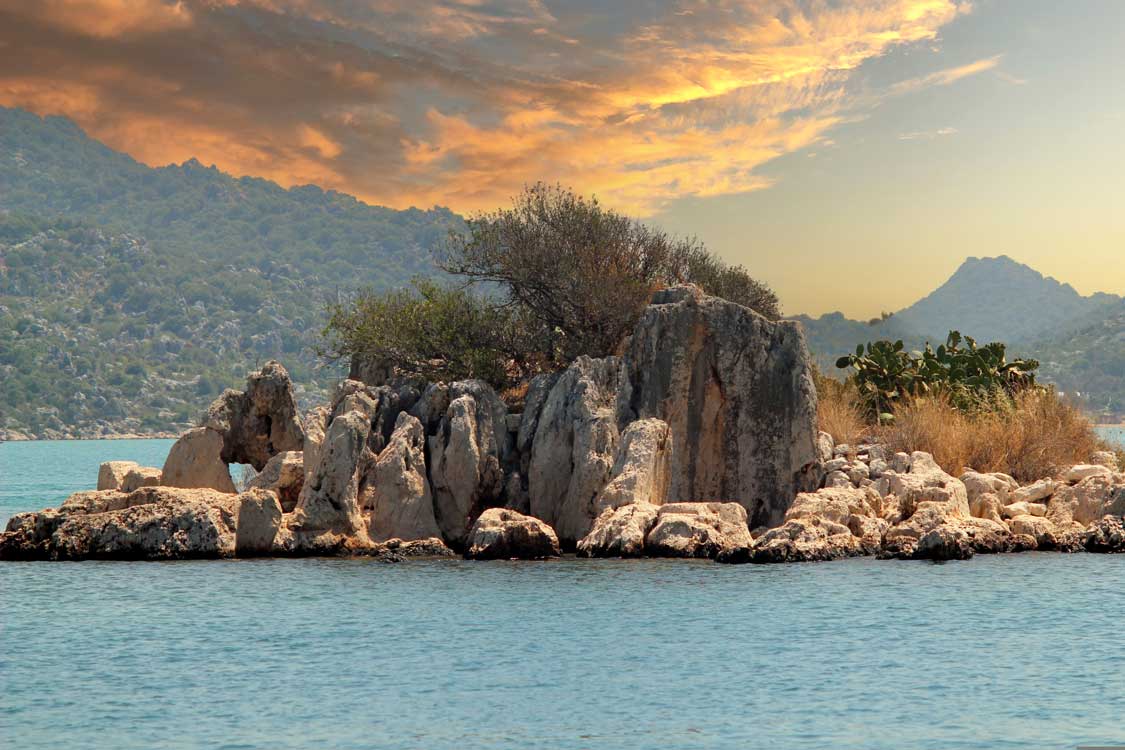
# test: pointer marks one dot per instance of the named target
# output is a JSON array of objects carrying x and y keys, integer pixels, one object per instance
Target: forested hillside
[{"x": 130, "y": 296}]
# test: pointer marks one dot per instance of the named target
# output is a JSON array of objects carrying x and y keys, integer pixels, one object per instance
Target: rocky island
[{"x": 699, "y": 441}]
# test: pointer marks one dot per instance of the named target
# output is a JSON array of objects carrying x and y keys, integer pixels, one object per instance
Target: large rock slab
[
  {"x": 466, "y": 457},
  {"x": 1088, "y": 501},
  {"x": 502, "y": 534},
  {"x": 195, "y": 461},
  {"x": 260, "y": 422},
  {"x": 640, "y": 473},
  {"x": 737, "y": 393},
  {"x": 396, "y": 490},
  {"x": 809, "y": 539},
  {"x": 141, "y": 476},
  {"x": 619, "y": 532},
  {"x": 702, "y": 530},
  {"x": 329, "y": 500},
  {"x": 575, "y": 446},
  {"x": 153, "y": 523}
]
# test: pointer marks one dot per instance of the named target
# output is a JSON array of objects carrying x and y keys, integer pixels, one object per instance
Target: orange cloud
[{"x": 461, "y": 102}]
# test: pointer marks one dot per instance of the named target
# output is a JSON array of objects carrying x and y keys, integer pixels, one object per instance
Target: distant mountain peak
[{"x": 998, "y": 298}]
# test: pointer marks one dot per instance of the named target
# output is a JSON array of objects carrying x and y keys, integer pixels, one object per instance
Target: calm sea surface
[{"x": 998, "y": 652}]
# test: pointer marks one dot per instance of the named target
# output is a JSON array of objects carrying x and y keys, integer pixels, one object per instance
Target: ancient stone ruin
[{"x": 699, "y": 441}]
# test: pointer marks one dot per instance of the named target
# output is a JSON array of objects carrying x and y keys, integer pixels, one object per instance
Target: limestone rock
[
  {"x": 259, "y": 518},
  {"x": 836, "y": 504},
  {"x": 316, "y": 424},
  {"x": 946, "y": 542},
  {"x": 1088, "y": 501},
  {"x": 986, "y": 505},
  {"x": 698, "y": 530},
  {"x": 431, "y": 547},
  {"x": 1076, "y": 474},
  {"x": 824, "y": 446},
  {"x": 112, "y": 473},
  {"x": 1106, "y": 535},
  {"x": 996, "y": 483},
  {"x": 640, "y": 472},
  {"x": 575, "y": 446},
  {"x": 810, "y": 539},
  {"x": 619, "y": 532},
  {"x": 141, "y": 476},
  {"x": 260, "y": 422},
  {"x": 502, "y": 534},
  {"x": 285, "y": 475},
  {"x": 1033, "y": 492},
  {"x": 466, "y": 458},
  {"x": 195, "y": 461},
  {"x": 736, "y": 391},
  {"x": 1046, "y": 534},
  {"x": 396, "y": 489},
  {"x": 329, "y": 499}
]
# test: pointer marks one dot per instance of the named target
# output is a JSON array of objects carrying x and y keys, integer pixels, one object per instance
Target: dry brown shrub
[
  {"x": 1034, "y": 436},
  {"x": 839, "y": 410}
]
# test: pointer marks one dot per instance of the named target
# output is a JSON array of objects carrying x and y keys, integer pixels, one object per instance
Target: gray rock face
[
  {"x": 260, "y": 422},
  {"x": 396, "y": 490},
  {"x": 195, "y": 461},
  {"x": 1106, "y": 535},
  {"x": 329, "y": 500},
  {"x": 737, "y": 393},
  {"x": 502, "y": 534},
  {"x": 575, "y": 445},
  {"x": 285, "y": 475},
  {"x": 640, "y": 472},
  {"x": 619, "y": 532},
  {"x": 466, "y": 457}
]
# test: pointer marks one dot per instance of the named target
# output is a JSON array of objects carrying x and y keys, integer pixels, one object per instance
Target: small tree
[
  {"x": 586, "y": 271},
  {"x": 438, "y": 332}
]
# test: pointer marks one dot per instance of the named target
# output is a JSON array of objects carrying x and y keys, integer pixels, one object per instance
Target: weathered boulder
[
  {"x": 316, "y": 424},
  {"x": 619, "y": 532},
  {"x": 1046, "y": 534},
  {"x": 702, "y": 530},
  {"x": 1076, "y": 474},
  {"x": 502, "y": 534},
  {"x": 152, "y": 523},
  {"x": 466, "y": 458},
  {"x": 112, "y": 473},
  {"x": 328, "y": 506},
  {"x": 1088, "y": 501},
  {"x": 259, "y": 518},
  {"x": 1033, "y": 492},
  {"x": 1106, "y": 535},
  {"x": 575, "y": 446},
  {"x": 1023, "y": 509},
  {"x": 640, "y": 472},
  {"x": 996, "y": 483},
  {"x": 737, "y": 393},
  {"x": 836, "y": 504},
  {"x": 946, "y": 542},
  {"x": 395, "y": 489},
  {"x": 285, "y": 475},
  {"x": 927, "y": 497},
  {"x": 195, "y": 461},
  {"x": 141, "y": 476},
  {"x": 810, "y": 539},
  {"x": 825, "y": 446},
  {"x": 986, "y": 505},
  {"x": 260, "y": 422},
  {"x": 432, "y": 547}
]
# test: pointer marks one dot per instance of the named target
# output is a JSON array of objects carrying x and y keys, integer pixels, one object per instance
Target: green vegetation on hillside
[{"x": 131, "y": 295}]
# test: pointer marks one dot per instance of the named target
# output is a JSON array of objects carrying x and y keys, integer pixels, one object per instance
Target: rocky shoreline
[
  {"x": 699, "y": 441},
  {"x": 14, "y": 436}
]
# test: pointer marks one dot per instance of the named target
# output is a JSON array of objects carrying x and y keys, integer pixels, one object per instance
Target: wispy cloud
[
  {"x": 460, "y": 102},
  {"x": 926, "y": 134}
]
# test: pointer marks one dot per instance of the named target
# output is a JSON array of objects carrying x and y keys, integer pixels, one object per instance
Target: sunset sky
[{"x": 851, "y": 154}]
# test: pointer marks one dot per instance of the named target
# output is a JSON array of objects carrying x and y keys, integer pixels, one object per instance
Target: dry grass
[
  {"x": 1034, "y": 437},
  {"x": 839, "y": 412}
]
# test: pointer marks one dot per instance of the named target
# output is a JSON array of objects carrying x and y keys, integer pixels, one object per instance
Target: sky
[{"x": 850, "y": 154}]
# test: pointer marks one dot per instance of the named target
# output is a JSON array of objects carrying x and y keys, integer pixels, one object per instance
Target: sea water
[{"x": 1011, "y": 651}]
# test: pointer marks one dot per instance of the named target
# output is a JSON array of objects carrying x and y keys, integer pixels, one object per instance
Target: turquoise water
[
  {"x": 1019, "y": 651},
  {"x": 1114, "y": 434}
]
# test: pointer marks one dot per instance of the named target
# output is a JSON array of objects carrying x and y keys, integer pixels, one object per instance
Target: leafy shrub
[
  {"x": 971, "y": 376},
  {"x": 438, "y": 332}
]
